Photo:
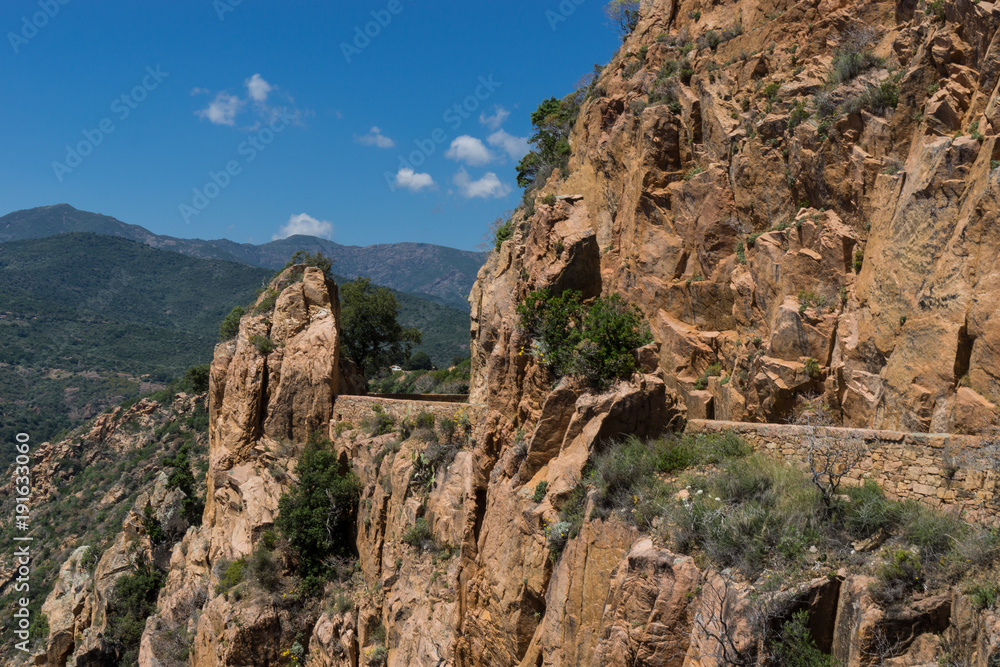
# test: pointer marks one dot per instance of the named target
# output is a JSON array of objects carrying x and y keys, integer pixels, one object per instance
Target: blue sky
[{"x": 250, "y": 119}]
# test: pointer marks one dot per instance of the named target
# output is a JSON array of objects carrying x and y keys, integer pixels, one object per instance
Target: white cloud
[
  {"x": 305, "y": 225},
  {"x": 258, "y": 88},
  {"x": 470, "y": 150},
  {"x": 487, "y": 186},
  {"x": 496, "y": 120},
  {"x": 375, "y": 138},
  {"x": 515, "y": 147},
  {"x": 228, "y": 109},
  {"x": 412, "y": 181},
  {"x": 223, "y": 109}
]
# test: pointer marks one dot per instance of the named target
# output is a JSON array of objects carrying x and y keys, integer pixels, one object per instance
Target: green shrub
[
  {"x": 692, "y": 172},
  {"x": 317, "y": 260},
  {"x": 317, "y": 516},
  {"x": 812, "y": 368},
  {"x": 869, "y": 512},
  {"x": 233, "y": 574},
  {"x": 266, "y": 305},
  {"x": 930, "y": 530},
  {"x": 231, "y": 324},
  {"x": 380, "y": 424},
  {"x": 132, "y": 600},
  {"x": 714, "y": 370},
  {"x": 263, "y": 344},
  {"x": 419, "y": 535},
  {"x": 556, "y": 536},
  {"x": 859, "y": 258},
  {"x": 552, "y": 120},
  {"x": 594, "y": 341},
  {"x": 154, "y": 530},
  {"x": 984, "y": 596},
  {"x": 181, "y": 477},
  {"x": 798, "y": 115},
  {"x": 196, "y": 379},
  {"x": 264, "y": 569},
  {"x": 851, "y": 60},
  {"x": 504, "y": 232},
  {"x": 424, "y": 420},
  {"x": 795, "y": 647},
  {"x": 377, "y": 656},
  {"x": 626, "y": 474},
  {"x": 878, "y": 99},
  {"x": 540, "y": 490},
  {"x": 269, "y": 539},
  {"x": 448, "y": 427},
  {"x": 899, "y": 575},
  {"x": 313, "y": 585},
  {"x": 750, "y": 512}
]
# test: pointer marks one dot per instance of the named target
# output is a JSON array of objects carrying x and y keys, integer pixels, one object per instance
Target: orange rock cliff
[{"x": 801, "y": 235}]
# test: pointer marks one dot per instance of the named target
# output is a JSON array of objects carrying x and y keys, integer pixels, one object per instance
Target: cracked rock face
[{"x": 858, "y": 243}]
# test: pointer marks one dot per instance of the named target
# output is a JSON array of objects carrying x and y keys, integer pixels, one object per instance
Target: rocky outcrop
[
  {"x": 851, "y": 242},
  {"x": 270, "y": 389},
  {"x": 843, "y": 255}
]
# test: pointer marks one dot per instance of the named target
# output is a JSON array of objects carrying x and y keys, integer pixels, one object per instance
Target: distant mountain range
[
  {"x": 87, "y": 320},
  {"x": 438, "y": 273}
]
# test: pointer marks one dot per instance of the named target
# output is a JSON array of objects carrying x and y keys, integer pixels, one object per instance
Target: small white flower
[
  {"x": 718, "y": 500},
  {"x": 700, "y": 491}
]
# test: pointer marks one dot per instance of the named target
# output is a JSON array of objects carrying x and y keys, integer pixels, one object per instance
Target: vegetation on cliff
[
  {"x": 317, "y": 515},
  {"x": 766, "y": 522},
  {"x": 593, "y": 340},
  {"x": 86, "y": 487}
]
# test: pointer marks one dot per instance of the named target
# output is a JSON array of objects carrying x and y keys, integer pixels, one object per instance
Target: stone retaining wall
[
  {"x": 433, "y": 398},
  {"x": 354, "y": 409},
  {"x": 937, "y": 468}
]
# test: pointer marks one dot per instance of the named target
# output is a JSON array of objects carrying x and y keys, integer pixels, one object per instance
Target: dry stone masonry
[{"x": 936, "y": 468}]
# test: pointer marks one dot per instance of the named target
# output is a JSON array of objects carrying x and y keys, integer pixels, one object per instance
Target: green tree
[
  {"x": 373, "y": 337},
  {"x": 231, "y": 325},
  {"x": 196, "y": 379},
  {"x": 317, "y": 516},
  {"x": 552, "y": 120},
  {"x": 317, "y": 259},
  {"x": 624, "y": 15},
  {"x": 181, "y": 477},
  {"x": 133, "y": 599},
  {"x": 419, "y": 361}
]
